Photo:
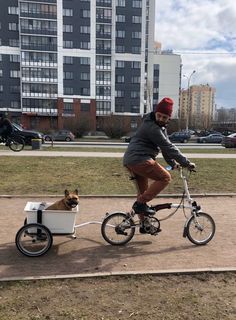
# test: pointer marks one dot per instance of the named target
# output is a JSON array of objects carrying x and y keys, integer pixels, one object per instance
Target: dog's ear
[
  {"x": 76, "y": 192},
  {"x": 66, "y": 192}
]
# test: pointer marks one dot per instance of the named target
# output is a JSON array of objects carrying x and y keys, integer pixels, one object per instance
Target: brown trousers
[{"x": 149, "y": 169}]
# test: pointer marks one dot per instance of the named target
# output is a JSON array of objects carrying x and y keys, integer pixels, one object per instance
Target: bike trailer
[{"x": 57, "y": 221}]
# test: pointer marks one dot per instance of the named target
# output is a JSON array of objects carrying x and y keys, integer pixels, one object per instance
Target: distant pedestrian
[{"x": 6, "y": 127}]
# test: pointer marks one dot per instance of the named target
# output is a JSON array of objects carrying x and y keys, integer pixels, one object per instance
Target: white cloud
[{"x": 207, "y": 30}]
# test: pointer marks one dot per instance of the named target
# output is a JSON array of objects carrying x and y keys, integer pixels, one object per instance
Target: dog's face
[{"x": 72, "y": 198}]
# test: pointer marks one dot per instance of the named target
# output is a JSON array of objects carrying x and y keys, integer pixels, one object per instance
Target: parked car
[
  {"x": 61, "y": 135},
  {"x": 211, "y": 138},
  {"x": 27, "y": 135},
  {"x": 181, "y": 136},
  {"x": 229, "y": 141},
  {"x": 95, "y": 135}
]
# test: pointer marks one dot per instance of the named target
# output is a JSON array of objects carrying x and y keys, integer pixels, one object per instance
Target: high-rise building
[
  {"x": 164, "y": 79},
  {"x": 197, "y": 103},
  {"x": 62, "y": 59}
]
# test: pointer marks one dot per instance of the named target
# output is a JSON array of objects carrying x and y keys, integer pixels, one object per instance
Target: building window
[
  {"x": 136, "y": 65},
  {"x": 120, "y": 64},
  {"x": 85, "y": 61},
  {"x": 14, "y": 58},
  {"x": 103, "y": 76},
  {"x": 137, "y": 4},
  {"x": 13, "y": 42},
  {"x": 104, "y": 3},
  {"x": 68, "y": 90},
  {"x": 67, "y": 44},
  {"x": 103, "y": 62},
  {"x": 68, "y": 108},
  {"x": 15, "y": 104},
  {"x": 85, "y": 45},
  {"x": 15, "y": 73},
  {"x": 135, "y": 79},
  {"x": 68, "y": 75},
  {"x": 137, "y": 19},
  {"x": 120, "y": 18},
  {"x": 136, "y": 35},
  {"x": 120, "y": 3},
  {"x": 85, "y": 13},
  {"x": 134, "y": 94},
  {"x": 0, "y": 57},
  {"x": 120, "y": 93},
  {"x": 13, "y": 10},
  {"x": 120, "y": 79},
  {"x": 85, "y": 91},
  {"x": 67, "y": 60},
  {"x": 67, "y": 12},
  {"x": 136, "y": 50},
  {"x": 120, "y": 33},
  {"x": 85, "y": 76},
  {"x": 1, "y": 88},
  {"x": 103, "y": 30},
  {"x": 67, "y": 28},
  {"x": 120, "y": 49},
  {"x": 1, "y": 72},
  {"x": 12, "y": 26},
  {"x": 85, "y": 29}
]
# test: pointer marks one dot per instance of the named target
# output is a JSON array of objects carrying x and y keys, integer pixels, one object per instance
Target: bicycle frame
[{"x": 191, "y": 204}]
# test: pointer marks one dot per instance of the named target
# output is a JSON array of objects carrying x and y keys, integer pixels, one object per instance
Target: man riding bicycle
[
  {"x": 151, "y": 138},
  {"x": 6, "y": 127}
]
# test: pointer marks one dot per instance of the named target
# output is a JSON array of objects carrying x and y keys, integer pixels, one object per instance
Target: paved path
[
  {"x": 36, "y": 153},
  {"x": 90, "y": 254}
]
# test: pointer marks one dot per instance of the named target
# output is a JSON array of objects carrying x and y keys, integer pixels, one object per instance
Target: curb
[{"x": 123, "y": 273}]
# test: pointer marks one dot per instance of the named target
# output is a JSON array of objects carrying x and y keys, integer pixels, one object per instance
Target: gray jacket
[{"x": 148, "y": 141}]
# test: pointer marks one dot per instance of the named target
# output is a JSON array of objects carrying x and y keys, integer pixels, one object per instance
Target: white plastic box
[{"x": 57, "y": 221}]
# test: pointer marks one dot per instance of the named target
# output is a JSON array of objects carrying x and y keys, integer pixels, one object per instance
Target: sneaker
[{"x": 139, "y": 207}]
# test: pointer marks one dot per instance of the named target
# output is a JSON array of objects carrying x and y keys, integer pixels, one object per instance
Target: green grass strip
[{"x": 102, "y": 176}]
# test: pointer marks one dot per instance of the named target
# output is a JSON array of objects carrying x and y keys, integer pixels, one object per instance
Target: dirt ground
[
  {"x": 200, "y": 297},
  {"x": 204, "y": 296}
]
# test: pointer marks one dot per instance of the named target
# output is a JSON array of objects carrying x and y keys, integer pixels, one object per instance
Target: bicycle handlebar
[{"x": 189, "y": 168}]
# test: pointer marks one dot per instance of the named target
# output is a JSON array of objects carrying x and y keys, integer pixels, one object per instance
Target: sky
[{"x": 203, "y": 32}]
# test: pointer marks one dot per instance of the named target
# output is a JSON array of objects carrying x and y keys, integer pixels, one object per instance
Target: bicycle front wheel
[
  {"x": 16, "y": 143},
  {"x": 200, "y": 230},
  {"x": 118, "y": 228},
  {"x": 33, "y": 240}
]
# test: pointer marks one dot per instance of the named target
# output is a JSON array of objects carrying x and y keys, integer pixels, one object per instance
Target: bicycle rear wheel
[
  {"x": 200, "y": 230},
  {"x": 16, "y": 144},
  {"x": 118, "y": 228}
]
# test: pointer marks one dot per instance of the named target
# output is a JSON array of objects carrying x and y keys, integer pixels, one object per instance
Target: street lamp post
[{"x": 188, "y": 102}]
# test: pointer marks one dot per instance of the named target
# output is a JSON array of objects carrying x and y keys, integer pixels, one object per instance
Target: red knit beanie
[{"x": 165, "y": 106}]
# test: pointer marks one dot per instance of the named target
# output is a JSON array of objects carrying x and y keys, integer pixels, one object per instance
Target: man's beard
[{"x": 162, "y": 123}]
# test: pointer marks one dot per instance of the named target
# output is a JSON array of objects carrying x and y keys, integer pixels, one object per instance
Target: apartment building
[
  {"x": 198, "y": 104},
  {"x": 65, "y": 60},
  {"x": 164, "y": 79}
]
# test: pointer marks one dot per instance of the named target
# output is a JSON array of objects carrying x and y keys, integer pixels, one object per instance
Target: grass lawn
[{"x": 106, "y": 176}]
